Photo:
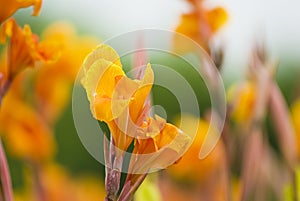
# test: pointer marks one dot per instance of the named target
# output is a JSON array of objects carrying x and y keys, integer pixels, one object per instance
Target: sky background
[{"x": 275, "y": 21}]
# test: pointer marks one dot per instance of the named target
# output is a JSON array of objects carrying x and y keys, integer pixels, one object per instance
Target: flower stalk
[{"x": 6, "y": 186}]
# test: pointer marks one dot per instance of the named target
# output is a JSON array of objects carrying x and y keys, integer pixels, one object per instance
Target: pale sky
[{"x": 277, "y": 21}]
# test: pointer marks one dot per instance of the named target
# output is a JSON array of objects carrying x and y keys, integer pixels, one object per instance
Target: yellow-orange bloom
[
  {"x": 243, "y": 99},
  {"x": 53, "y": 81},
  {"x": 200, "y": 25},
  {"x": 122, "y": 103},
  {"x": 190, "y": 163},
  {"x": 24, "y": 50},
  {"x": 108, "y": 102},
  {"x": 204, "y": 176},
  {"x": 50, "y": 85},
  {"x": 9, "y": 7},
  {"x": 295, "y": 115}
]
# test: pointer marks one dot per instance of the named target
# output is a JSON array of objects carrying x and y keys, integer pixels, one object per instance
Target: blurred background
[{"x": 275, "y": 22}]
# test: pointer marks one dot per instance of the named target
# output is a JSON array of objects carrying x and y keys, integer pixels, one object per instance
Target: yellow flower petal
[
  {"x": 104, "y": 52},
  {"x": 141, "y": 94},
  {"x": 160, "y": 151},
  {"x": 100, "y": 77}
]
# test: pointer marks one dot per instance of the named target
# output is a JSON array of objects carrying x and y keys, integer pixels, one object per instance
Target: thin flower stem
[
  {"x": 285, "y": 132},
  {"x": 5, "y": 176},
  {"x": 112, "y": 174},
  {"x": 283, "y": 125},
  {"x": 6, "y": 185},
  {"x": 128, "y": 194},
  {"x": 38, "y": 185},
  {"x": 107, "y": 157}
]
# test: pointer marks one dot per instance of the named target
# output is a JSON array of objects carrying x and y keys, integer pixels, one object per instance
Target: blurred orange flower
[
  {"x": 53, "y": 81},
  {"x": 190, "y": 163},
  {"x": 9, "y": 7},
  {"x": 295, "y": 116},
  {"x": 26, "y": 134},
  {"x": 24, "y": 50},
  {"x": 59, "y": 185},
  {"x": 200, "y": 24},
  {"x": 206, "y": 177},
  {"x": 243, "y": 99}
]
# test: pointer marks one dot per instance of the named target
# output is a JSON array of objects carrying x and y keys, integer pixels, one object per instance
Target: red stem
[
  {"x": 5, "y": 179},
  {"x": 5, "y": 176},
  {"x": 127, "y": 194}
]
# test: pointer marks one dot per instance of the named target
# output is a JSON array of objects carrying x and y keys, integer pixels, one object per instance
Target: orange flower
[
  {"x": 9, "y": 7},
  {"x": 122, "y": 103},
  {"x": 205, "y": 177},
  {"x": 190, "y": 163},
  {"x": 243, "y": 99},
  {"x": 23, "y": 49},
  {"x": 200, "y": 25},
  {"x": 24, "y": 131},
  {"x": 30, "y": 128}
]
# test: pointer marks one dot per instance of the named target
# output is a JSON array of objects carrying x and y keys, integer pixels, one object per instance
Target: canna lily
[
  {"x": 123, "y": 104},
  {"x": 200, "y": 24},
  {"x": 9, "y": 7}
]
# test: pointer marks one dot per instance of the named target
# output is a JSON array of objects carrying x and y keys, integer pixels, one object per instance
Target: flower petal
[
  {"x": 101, "y": 52},
  {"x": 9, "y": 7}
]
